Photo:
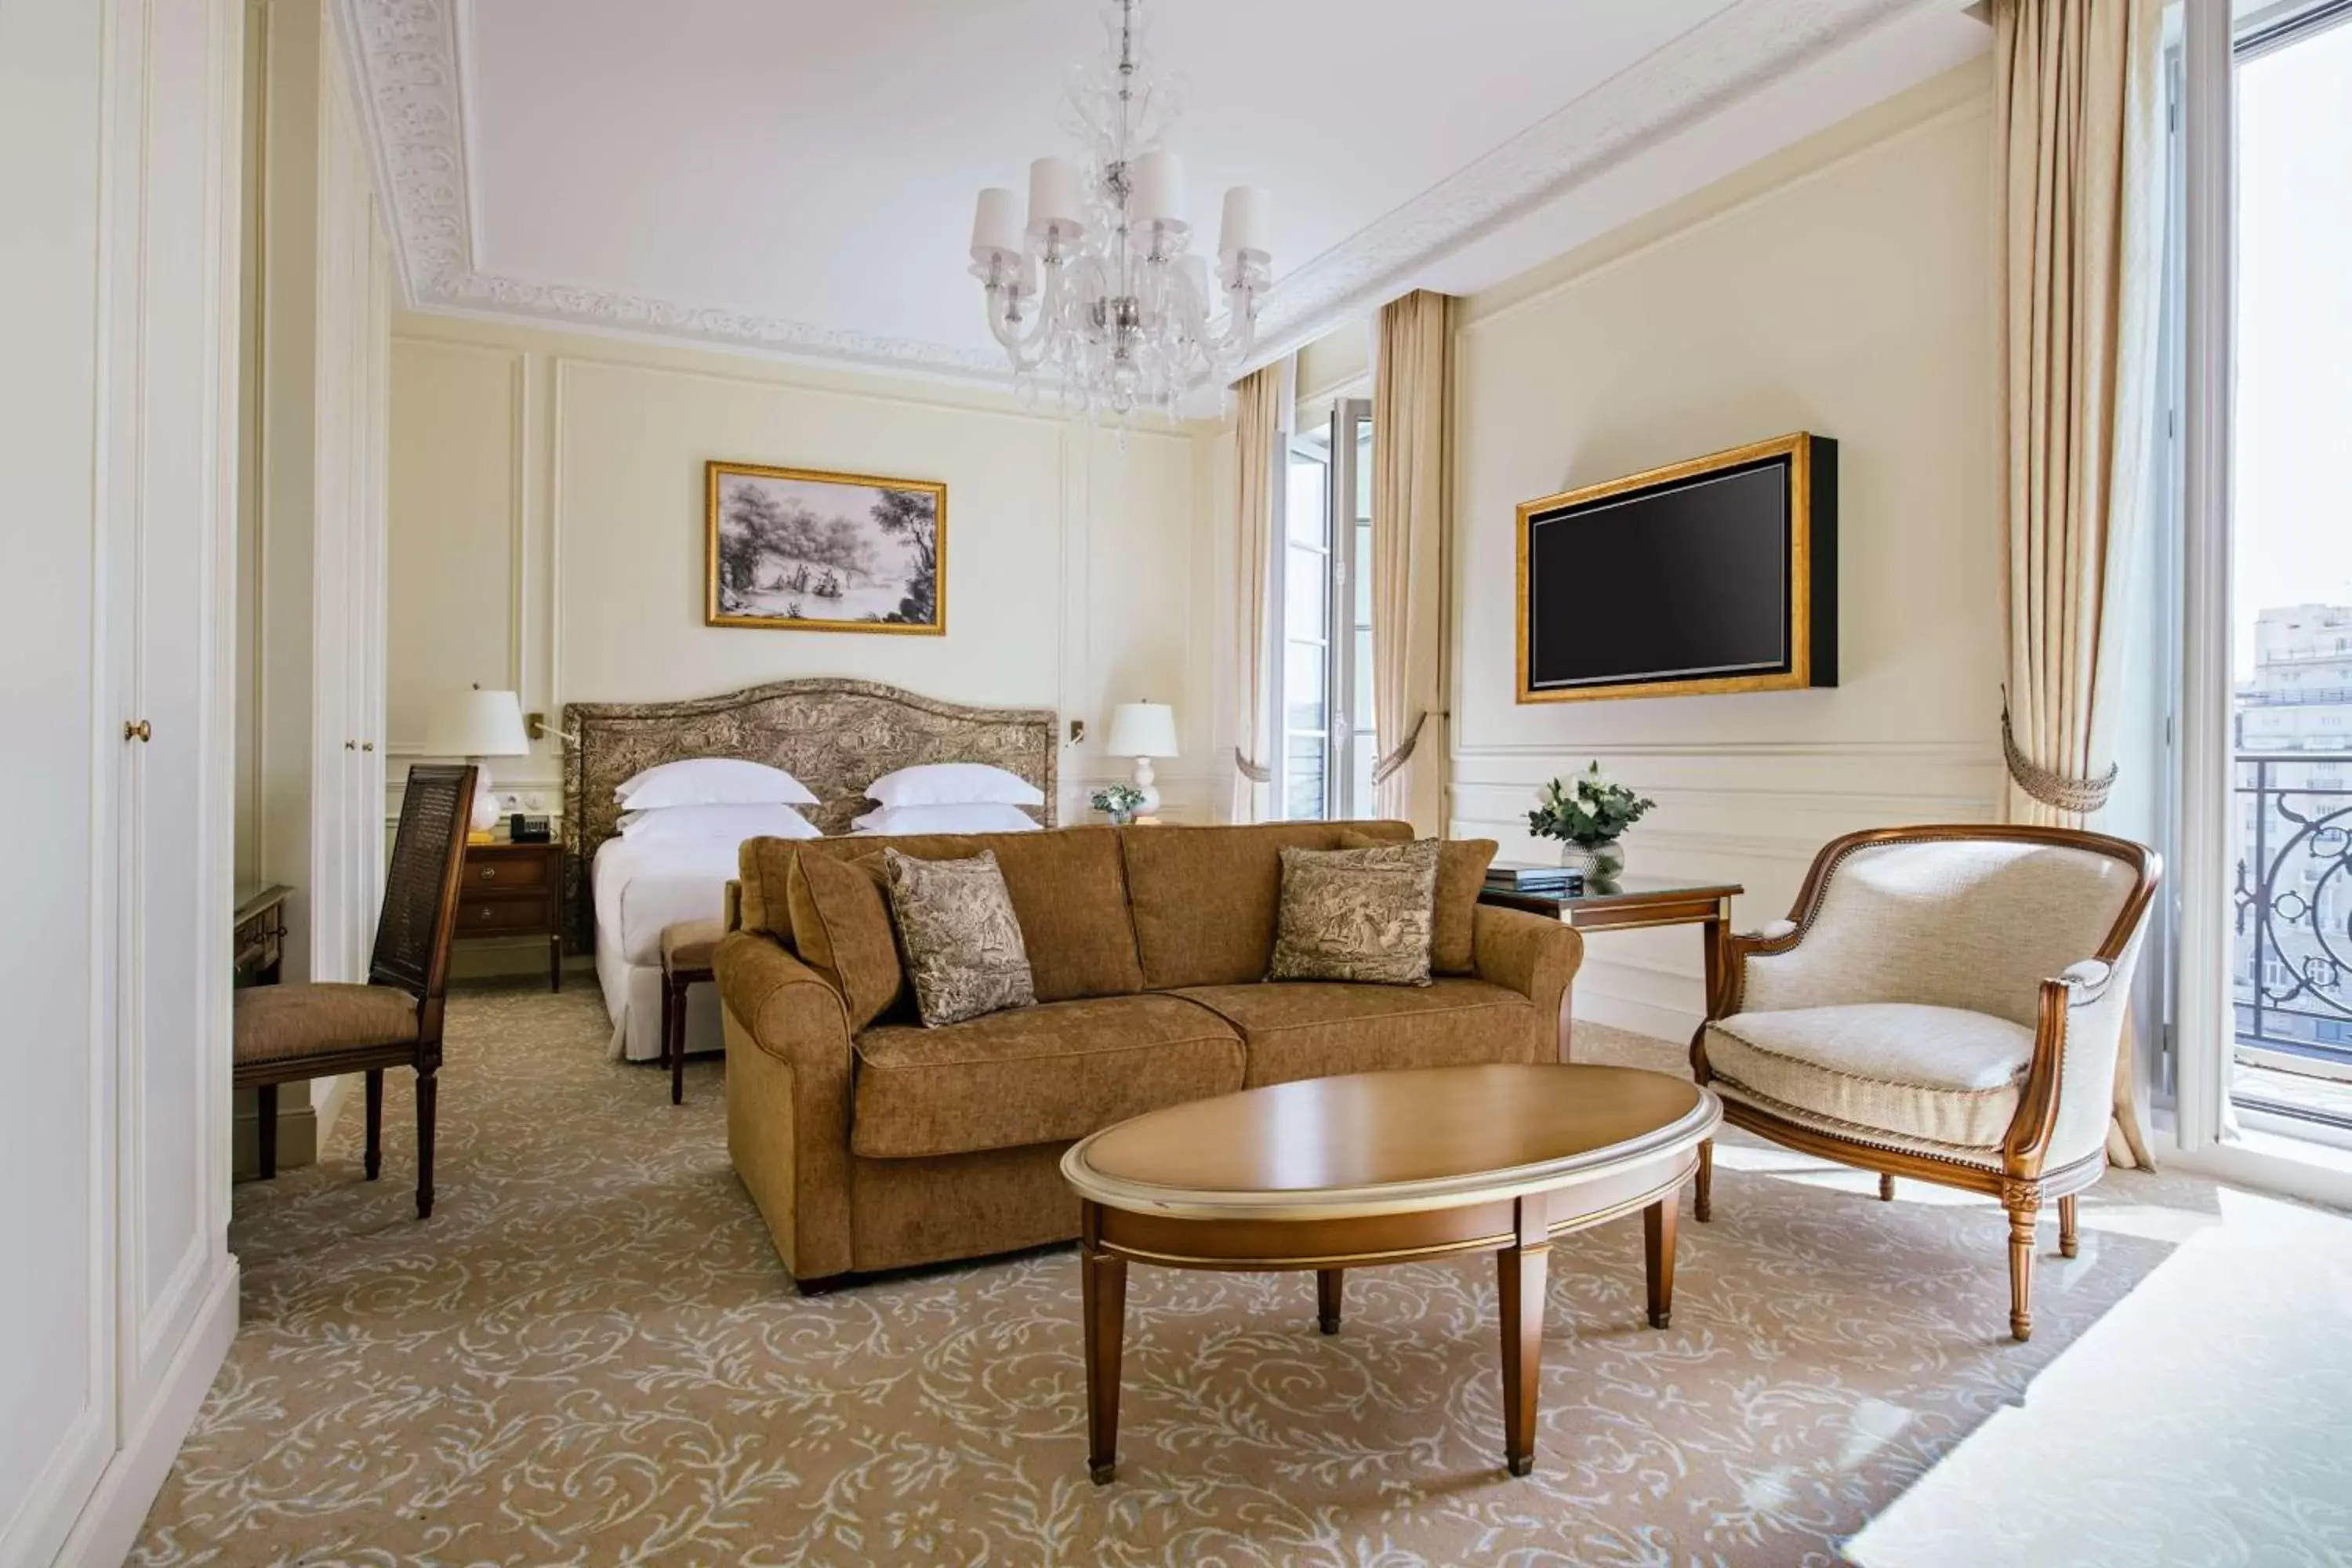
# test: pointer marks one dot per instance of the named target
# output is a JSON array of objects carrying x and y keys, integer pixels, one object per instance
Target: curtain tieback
[
  {"x": 2061, "y": 792},
  {"x": 1403, "y": 753},
  {"x": 1256, "y": 772}
]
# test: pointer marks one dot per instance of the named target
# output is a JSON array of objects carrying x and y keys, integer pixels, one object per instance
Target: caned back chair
[
  {"x": 287, "y": 1034},
  {"x": 1946, "y": 1003}
]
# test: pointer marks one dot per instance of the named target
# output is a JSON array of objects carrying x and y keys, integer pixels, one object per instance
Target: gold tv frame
[{"x": 1812, "y": 570}]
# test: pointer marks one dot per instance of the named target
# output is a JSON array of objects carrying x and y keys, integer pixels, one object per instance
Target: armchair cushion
[{"x": 1941, "y": 1074}]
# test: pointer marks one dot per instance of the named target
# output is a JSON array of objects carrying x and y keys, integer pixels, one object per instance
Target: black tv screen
[{"x": 1716, "y": 575}]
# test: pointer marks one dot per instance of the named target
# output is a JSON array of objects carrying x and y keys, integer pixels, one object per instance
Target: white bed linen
[{"x": 640, "y": 889}]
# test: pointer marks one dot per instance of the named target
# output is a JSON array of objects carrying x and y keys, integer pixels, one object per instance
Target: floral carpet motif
[{"x": 590, "y": 1354}]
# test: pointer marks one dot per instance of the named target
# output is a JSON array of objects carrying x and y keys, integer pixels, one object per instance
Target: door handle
[
  {"x": 367, "y": 745},
  {"x": 141, "y": 730},
  {"x": 351, "y": 745}
]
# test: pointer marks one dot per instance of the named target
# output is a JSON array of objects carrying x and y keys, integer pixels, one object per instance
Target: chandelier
[{"x": 1097, "y": 290}]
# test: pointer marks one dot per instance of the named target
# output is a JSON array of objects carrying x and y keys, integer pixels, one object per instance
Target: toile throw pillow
[
  {"x": 1365, "y": 915},
  {"x": 961, "y": 941}
]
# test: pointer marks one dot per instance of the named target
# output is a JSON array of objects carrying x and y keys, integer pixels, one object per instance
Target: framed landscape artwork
[{"x": 798, "y": 549}]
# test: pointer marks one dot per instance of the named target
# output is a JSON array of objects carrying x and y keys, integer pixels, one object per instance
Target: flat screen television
[{"x": 1717, "y": 575}]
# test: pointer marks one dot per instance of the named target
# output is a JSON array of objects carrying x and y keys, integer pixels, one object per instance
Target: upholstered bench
[{"x": 686, "y": 950}]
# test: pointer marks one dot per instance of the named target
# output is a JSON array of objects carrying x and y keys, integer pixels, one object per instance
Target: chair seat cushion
[
  {"x": 287, "y": 1022},
  {"x": 688, "y": 945},
  {"x": 1313, "y": 1029},
  {"x": 1034, "y": 1075},
  {"x": 1938, "y": 1073}
]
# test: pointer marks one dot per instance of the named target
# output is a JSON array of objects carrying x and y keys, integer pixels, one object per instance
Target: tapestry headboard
[{"x": 836, "y": 736}]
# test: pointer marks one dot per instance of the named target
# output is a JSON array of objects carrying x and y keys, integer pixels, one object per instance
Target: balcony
[{"x": 2293, "y": 911}]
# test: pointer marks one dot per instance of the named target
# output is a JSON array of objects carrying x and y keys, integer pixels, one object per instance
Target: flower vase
[{"x": 1602, "y": 862}]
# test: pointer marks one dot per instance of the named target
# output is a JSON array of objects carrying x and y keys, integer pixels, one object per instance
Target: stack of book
[{"x": 1556, "y": 881}]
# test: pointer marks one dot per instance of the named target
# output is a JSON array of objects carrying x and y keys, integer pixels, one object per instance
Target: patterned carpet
[{"x": 591, "y": 1355}]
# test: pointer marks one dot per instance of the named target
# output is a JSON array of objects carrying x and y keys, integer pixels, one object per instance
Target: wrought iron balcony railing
[{"x": 2294, "y": 904}]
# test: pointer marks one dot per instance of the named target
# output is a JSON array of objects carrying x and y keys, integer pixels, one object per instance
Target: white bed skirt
[{"x": 633, "y": 999}]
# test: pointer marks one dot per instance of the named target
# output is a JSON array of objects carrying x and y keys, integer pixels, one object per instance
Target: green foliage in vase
[
  {"x": 1590, "y": 811},
  {"x": 1117, "y": 800}
]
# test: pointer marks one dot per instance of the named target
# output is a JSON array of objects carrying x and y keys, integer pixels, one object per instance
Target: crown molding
[{"x": 410, "y": 55}]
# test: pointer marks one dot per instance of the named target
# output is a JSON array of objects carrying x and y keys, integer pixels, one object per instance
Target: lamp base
[
  {"x": 1149, "y": 806},
  {"x": 486, "y": 804}
]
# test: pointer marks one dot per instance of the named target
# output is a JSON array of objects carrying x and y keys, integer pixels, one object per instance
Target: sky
[{"x": 2294, "y": 460}]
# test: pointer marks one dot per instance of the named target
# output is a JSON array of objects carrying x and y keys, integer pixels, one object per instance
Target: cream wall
[
  {"x": 547, "y": 535},
  {"x": 1843, "y": 287}
]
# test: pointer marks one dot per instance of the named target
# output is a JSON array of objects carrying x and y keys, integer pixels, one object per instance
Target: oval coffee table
[{"x": 1333, "y": 1174}]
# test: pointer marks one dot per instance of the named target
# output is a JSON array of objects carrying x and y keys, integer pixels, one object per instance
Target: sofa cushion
[
  {"x": 1364, "y": 915},
  {"x": 1070, "y": 894},
  {"x": 960, "y": 936},
  {"x": 1312, "y": 1029},
  {"x": 1936, "y": 1073},
  {"x": 1035, "y": 1075},
  {"x": 1204, "y": 898},
  {"x": 841, "y": 924},
  {"x": 1461, "y": 875}
]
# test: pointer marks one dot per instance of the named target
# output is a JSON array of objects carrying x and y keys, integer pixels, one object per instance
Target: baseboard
[
  {"x": 1626, "y": 1013},
  {"x": 108, "y": 1526}
]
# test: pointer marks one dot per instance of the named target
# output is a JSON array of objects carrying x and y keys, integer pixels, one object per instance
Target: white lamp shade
[
  {"x": 1056, "y": 195},
  {"x": 1142, "y": 730},
  {"x": 1248, "y": 222},
  {"x": 476, "y": 723},
  {"x": 1159, "y": 188},
  {"x": 996, "y": 225}
]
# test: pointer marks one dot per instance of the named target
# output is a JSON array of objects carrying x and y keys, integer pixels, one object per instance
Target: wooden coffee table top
[{"x": 1389, "y": 1143}]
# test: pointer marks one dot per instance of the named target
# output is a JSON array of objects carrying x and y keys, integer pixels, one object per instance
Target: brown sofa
[{"x": 870, "y": 1143}]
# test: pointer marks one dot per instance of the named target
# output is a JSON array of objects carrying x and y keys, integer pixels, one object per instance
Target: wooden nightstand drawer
[
  {"x": 491, "y": 868},
  {"x": 511, "y": 890},
  {"x": 532, "y": 913}
]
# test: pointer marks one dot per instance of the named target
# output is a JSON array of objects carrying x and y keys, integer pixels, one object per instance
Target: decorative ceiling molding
[
  {"x": 408, "y": 53},
  {"x": 1735, "y": 53}
]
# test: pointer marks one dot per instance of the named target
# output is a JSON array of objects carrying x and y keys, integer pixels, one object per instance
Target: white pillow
[
  {"x": 729, "y": 824},
  {"x": 981, "y": 816},
  {"x": 712, "y": 781},
  {"x": 953, "y": 783}
]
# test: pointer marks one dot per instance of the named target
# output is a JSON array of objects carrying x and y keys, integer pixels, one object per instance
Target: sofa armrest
[
  {"x": 1532, "y": 955},
  {"x": 788, "y": 1098}
]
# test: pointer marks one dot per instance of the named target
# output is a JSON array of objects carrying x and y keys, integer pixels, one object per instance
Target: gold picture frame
[
  {"x": 813, "y": 550},
  {"x": 1812, "y": 570}
]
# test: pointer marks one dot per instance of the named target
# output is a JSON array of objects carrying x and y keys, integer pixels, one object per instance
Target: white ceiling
[{"x": 797, "y": 175}]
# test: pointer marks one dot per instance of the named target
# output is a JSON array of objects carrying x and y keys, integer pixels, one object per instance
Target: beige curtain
[
  {"x": 1410, "y": 560},
  {"x": 1258, "y": 469},
  {"x": 2078, "y": 212}
]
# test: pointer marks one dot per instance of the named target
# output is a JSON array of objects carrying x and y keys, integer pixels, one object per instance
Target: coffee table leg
[
  {"x": 1103, "y": 1286},
  {"x": 1520, "y": 1270},
  {"x": 1328, "y": 1283},
  {"x": 1658, "y": 1253}
]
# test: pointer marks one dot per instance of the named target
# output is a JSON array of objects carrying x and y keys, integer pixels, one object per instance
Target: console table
[
  {"x": 258, "y": 945},
  {"x": 1633, "y": 903}
]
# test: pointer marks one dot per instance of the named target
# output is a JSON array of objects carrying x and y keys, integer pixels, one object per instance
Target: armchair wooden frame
[
  {"x": 2021, "y": 1182},
  {"x": 413, "y": 942}
]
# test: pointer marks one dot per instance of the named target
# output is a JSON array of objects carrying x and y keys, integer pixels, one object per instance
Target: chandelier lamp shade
[{"x": 1097, "y": 286}]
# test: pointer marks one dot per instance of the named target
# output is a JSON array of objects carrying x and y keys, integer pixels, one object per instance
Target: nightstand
[{"x": 515, "y": 889}]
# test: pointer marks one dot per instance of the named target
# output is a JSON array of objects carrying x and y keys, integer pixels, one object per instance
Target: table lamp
[
  {"x": 1143, "y": 730},
  {"x": 477, "y": 725}
]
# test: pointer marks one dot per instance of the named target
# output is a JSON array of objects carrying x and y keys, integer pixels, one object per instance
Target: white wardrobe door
[
  {"x": 164, "y": 496},
  {"x": 57, "y": 1394}
]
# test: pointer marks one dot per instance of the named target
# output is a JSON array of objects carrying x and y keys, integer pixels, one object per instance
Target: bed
[{"x": 836, "y": 736}]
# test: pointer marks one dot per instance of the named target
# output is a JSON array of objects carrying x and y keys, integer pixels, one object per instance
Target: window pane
[
  {"x": 1363, "y": 573},
  {"x": 1302, "y": 792},
  {"x": 1363, "y": 470},
  {"x": 1362, "y": 702},
  {"x": 1303, "y": 505},
  {"x": 1302, "y": 686},
  {"x": 1303, "y": 594}
]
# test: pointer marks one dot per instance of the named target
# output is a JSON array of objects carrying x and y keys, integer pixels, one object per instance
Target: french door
[{"x": 1323, "y": 584}]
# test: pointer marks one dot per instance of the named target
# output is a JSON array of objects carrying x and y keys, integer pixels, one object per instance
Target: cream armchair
[{"x": 1944, "y": 1003}]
